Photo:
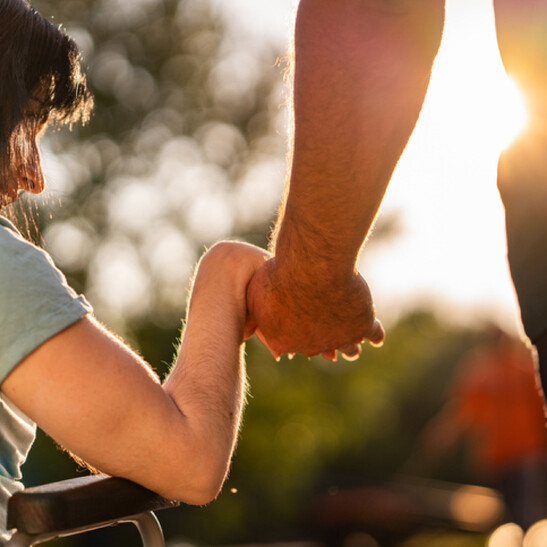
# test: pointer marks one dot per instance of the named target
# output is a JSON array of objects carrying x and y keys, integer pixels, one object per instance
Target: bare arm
[
  {"x": 99, "y": 400},
  {"x": 361, "y": 70}
]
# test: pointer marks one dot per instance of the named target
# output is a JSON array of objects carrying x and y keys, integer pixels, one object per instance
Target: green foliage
[{"x": 311, "y": 425}]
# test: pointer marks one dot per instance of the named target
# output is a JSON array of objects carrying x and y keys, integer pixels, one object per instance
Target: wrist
[
  {"x": 219, "y": 305},
  {"x": 299, "y": 280},
  {"x": 311, "y": 259}
]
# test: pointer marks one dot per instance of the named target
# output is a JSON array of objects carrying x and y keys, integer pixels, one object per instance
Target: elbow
[
  {"x": 194, "y": 463},
  {"x": 197, "y": 484},
  {"x": 205, "y": 488},
  {"x": 204, "y": 496}
]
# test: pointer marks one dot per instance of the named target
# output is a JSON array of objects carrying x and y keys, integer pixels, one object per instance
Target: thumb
[
  {"x": 276, "y": 354},
  {"x": 250, "y": 328}
]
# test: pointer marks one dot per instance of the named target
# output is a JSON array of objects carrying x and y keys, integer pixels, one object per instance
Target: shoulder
[
  {"x": 22, "y": 262},
  {"x": 9, "y": 235},
  {"x": 37, "y": 301},
  {"x": 14, "y": 247}
]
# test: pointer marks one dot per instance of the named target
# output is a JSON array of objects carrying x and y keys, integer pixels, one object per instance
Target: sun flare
[
  {"x": 509, "y": 102},
  {"x": 452, "y": 246},
  {"x": 469, "y": 82}
]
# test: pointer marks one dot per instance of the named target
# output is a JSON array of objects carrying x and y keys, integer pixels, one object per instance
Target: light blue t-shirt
[{"x": 35, "y": 304}]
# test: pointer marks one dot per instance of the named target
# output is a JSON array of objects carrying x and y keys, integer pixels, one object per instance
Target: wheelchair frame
[{"x": 79, "y": 505}]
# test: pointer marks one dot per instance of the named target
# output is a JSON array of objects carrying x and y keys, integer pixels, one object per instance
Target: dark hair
[{"x": 39, "y": 61}]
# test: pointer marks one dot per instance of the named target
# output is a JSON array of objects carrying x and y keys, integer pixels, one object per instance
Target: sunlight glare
[
  {"x": 481, "y": 104},
  {"x": 515, "y": 116},
  {"x": 452, "y": 248}
]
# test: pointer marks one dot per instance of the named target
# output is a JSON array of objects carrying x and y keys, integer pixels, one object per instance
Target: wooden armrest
[{"x": 79, "y": 502}]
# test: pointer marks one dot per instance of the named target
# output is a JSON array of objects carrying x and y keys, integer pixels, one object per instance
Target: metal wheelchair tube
[
  {"x": 149, "y": 528},
  {"x": 147, "y": 524}
]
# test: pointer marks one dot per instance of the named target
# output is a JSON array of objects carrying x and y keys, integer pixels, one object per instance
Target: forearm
[
  {"x": 360, "y": 75},
  {"x": 88, "y": 391},
  {"x": 207, "y": 383}
]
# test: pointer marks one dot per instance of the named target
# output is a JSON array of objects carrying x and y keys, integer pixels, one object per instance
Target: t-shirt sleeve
[{"x": 35, "y": 300}]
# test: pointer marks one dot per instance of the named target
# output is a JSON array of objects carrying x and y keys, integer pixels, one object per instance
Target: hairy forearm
[
  {"x": 360, "y": 75},
  {"x": 207, "y": 383}
]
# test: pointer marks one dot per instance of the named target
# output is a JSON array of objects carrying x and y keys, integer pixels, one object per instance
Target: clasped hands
[{"x": 292, "y": 315}]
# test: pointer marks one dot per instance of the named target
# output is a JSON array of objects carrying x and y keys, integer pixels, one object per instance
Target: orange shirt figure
[{"x": 497, "y": 401}]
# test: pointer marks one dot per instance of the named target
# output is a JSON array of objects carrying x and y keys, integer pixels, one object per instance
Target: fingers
[
  {"x": 377, "y": 334},
  {"x": 351, "y": 352},
  {"x": 276, "y": 354},
  {"x": 329, "y": 355},
  {"x": 250, "y": 328}
]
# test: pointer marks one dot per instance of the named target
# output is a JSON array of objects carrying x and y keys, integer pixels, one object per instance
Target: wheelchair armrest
[{"x": 79, "y": 502}]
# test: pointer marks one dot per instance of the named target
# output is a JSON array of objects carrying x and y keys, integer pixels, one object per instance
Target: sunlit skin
[
  {"x": 346, "y": 144},
  {"x": 350, "y": 349},
  {"x": 82, "y": 385},
  {"x": 189, "y": 425},
  {"x": 352, "y": 59}
]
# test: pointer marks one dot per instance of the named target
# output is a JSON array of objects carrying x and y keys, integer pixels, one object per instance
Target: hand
[
  {"x": 311, "y": 318},
  {"x": 223, "y": 274}
]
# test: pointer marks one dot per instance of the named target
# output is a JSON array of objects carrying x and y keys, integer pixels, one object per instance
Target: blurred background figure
[{"x": 494, "y": 401}]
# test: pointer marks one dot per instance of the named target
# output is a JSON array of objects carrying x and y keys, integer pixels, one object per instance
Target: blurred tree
[{"x": 184, "y": 148}]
